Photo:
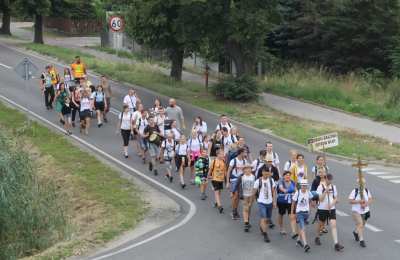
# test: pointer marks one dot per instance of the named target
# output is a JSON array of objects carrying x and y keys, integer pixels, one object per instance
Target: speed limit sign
[{"x": 116, "y": 23}]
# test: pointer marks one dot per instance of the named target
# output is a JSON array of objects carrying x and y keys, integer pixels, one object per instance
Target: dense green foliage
[
  {"x": 171, "y": 25},
  {"x": 31, "y": 215},
  {"x": 243, "y": 88},
  {"x": 343, "y": 35}
]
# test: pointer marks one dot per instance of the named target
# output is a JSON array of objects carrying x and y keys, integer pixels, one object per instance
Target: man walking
[
  {"x": 174, "y": 112},
  {"x": 47, "y": 88}
]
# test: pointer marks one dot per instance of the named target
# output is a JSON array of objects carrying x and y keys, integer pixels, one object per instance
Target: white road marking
[
  {"x": 376, "y": 173},
  {"x": 395, "y": 181},
  {"x": 341, "y": 213},
  {"x": 373, "y": 228},
  {"x": 192, "y": 206},
  {"x": 389, "y": 177},
  {"x": 369, "y": 169},
  {"x": 5, "y": 66}
]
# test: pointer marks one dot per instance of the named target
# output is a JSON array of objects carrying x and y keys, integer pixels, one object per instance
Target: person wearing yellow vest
[
  {"x": 55, "y": 77},
  {"x": 299, "y": 170},
  {"x": 78, "y": 69}
]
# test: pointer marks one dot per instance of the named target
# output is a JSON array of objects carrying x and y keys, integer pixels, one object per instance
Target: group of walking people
[
  {"x": 74, "y": 96},
  {"x": 220, "y": 157}
]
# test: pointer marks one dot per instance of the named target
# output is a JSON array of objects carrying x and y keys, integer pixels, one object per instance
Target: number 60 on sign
[{"x": 116, "y": 23}]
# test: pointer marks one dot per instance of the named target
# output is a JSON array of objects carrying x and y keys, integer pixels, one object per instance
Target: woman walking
[
  {"x": 124, "y": 126},
  {"x": 84, "y": 112},
  {"x": 100, "y": 104},
  {"x": 61, "y": 94}
]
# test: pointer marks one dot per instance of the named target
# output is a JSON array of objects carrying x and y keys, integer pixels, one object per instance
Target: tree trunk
[
  {"x": 177, "y": 63},
  {"x": 244, "y": 64},
  {"x": 5, "y": 28},
  {"x": 38, "y": 37}
]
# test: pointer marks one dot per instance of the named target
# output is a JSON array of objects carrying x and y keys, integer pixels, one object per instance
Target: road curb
[{"x": 127, "y": 84}]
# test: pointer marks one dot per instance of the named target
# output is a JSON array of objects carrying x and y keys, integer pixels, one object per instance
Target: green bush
[
  {"x": 31, "y": 215},
  {"x": 243, "y": 88}
]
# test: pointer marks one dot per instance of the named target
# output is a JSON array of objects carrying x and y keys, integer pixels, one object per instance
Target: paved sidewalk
[{"x": 341, "y": 119}]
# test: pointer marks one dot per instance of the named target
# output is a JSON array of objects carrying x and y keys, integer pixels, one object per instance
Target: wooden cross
[{"x": 360, "y": 165}]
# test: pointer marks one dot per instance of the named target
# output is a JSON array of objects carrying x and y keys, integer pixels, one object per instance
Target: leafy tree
[
  {"x": 173, "y": 25},
  {"x": 6, "y": 7},
  {"x": 239, "y": 29},
  {"x": 362, "y": 35},
  {"x": 37, "y": 9}
]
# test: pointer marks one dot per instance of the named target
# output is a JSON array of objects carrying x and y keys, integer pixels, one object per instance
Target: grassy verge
[
  {"x": 369, "y": 95},
  {"x": 100, "y": 204},
  {"x": 254, "y": 114},
  {"x": 119, "y": 53}
]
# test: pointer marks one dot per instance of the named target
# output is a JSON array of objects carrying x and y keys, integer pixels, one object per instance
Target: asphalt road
[{"x": 209, "y": 235}]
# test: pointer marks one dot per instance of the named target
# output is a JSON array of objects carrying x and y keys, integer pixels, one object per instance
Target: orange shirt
[{"x": 218, "y": 170}]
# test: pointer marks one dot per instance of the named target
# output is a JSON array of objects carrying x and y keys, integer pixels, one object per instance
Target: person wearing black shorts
[
  {"x": 217, "y": 173},
  {"x": 327, "y": 194},
  {"x": 100, "y": 104},
  {"x": 285, "y": 190}
]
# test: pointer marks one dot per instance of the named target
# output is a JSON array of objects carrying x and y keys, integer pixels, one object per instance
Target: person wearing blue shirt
[{"x": 286, "y": 188}]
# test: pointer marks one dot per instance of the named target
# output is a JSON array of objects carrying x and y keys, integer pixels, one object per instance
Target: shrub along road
[{"x": 209, "y": 235}]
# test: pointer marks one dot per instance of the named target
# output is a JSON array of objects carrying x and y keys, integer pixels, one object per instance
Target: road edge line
[{"x": 186, "y": 219}]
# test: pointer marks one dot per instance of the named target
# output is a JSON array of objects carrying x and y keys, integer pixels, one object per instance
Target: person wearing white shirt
[
  {"x": 199, "y": 126},
  {"x": 264, "y": 188},
  {"x": 227, "y": 140},
  {"x": 125, "y": 127},
  {"x": 224, "y": 122},
  {"x": 360, "y": 202},
  {"x": 131, "y": 99},
  {"x": 258, "y": 163},
  {"x": 275, "y": 156},
  {"x": 327, "y": 194},
  {"x": 291, "y": 161},
  {"x": 141, "y": 124},
  {"x": 301, "y": 201}
]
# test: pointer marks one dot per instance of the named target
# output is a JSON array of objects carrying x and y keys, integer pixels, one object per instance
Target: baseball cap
[{"x": 304, "y": 182}]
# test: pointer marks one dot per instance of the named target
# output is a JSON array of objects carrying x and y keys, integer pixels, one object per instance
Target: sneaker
[
  {"x": 271, "y": 226},
  {"x": 155, "y": 172},
  {"x": 203, "y": 196},
  {"x": 283, "y": 233},
  {"x": 215, "y": 205},
  {"x": 235, "y": 216},
  {"x": 266, "y": 238},
  {"x": 356, "y": 237},
  {"x": 126, "y": 156},
  {"x": 62, "y": 122},
  {"x": 183, "y": 185},
  {"x": 48, "y": 107},
  {"x": 307, "y": 248},
  {"x": 73, "y": 124},
  {"x": 324, "y": 230},
  {"x": 362, "y": 243},
  {"x": 299, "y": 243},
  {"x": 105, "y": 120},
  {"x": 221, "y": 210},
  {"x": 339, "y": 247},
  {"x": 99, "y": 125},
  {"x": 295, "y": 236},
  {"x": 150, "y": 166},
  {"x": 171, "y": 179},
  {"x": 317, "y": 241},
  {"x": 246, "y": 228}
]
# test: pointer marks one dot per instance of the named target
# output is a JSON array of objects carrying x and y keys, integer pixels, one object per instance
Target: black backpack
[
  {"x": 260, "y": 184},
  {"x": 356, "y": 193}
]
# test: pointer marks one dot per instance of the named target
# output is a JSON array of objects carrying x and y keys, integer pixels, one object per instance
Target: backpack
[
  {"x": 235, "y": 164},
  {"x": 258, "y": 163},
  {"x": 122, "y": 115},
  {"x": 356, "y": 193},
  {"x": 260, "y": 184},
  {"x": 333, "y": 189},
  {"x": 200, "y": 142},
  {"x": 220, "y": 125},
  {"x": 95, "y": 96}
]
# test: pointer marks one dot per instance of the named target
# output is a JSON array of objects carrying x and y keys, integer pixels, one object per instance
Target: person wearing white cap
[{"x": 301, "y": 207}]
